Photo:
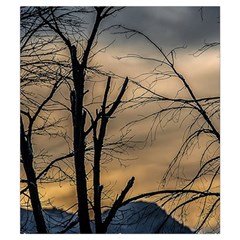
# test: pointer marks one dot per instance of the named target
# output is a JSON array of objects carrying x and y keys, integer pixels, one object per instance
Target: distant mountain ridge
[{"x": 135, "y": 217}]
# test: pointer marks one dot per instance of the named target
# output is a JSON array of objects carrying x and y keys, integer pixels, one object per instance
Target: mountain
[
  {"x": 56, "y": 221},
  {"x": 144, "y": 217},
  {"x": 135, "y": 217}
]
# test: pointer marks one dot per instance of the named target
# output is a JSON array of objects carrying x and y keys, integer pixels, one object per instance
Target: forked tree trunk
[{"x": 79, "y": 117}]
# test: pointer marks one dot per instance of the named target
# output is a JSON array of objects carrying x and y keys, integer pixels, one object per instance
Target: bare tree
[
  {"x": 199, "y": 116},
  {"x": 58, "y": 77},
  {"x": 31, "y": 110},
  {"x": 42, "y": 29}
]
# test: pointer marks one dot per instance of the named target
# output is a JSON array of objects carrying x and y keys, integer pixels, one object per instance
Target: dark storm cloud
[{"x": 174, "y": 26}]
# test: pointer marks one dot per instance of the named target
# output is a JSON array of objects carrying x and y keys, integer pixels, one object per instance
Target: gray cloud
[{"x": 173, "y": 26}]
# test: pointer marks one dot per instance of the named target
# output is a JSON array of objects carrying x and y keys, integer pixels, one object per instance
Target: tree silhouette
[
  {"x": 61, "y": 83},
  {"x": 199, "y": 116},
  {"x": 50, "y": 20}
]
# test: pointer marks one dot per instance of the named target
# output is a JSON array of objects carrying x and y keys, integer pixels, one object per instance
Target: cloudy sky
[
  {"x": 229, "y": 93},
  {"x": 169, "y": 27},
  {"x": 174, "y": 26}
]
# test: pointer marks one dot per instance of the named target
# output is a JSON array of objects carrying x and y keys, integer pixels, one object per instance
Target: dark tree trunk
[
  {"x": 97, "y": 187},
  {"x": 98, "y": 145},
  {"x": 27, "y": 158},
  {"x": 79, "y": 160},
  {"x": 79, "y": 116}
]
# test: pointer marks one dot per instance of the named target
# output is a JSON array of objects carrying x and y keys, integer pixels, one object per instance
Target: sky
[
  {"x": 229, "y": 93},
  {"x": 169, "y": 27}
]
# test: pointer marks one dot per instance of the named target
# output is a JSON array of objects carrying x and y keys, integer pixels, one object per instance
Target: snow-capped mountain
[
  {"x": 144, "y": 217},
  {"x": 135, "y": 217}
]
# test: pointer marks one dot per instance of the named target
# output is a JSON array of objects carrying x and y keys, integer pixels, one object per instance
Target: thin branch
[
  {"x": 118, "y": 203},
  {"x": 174, "y": 191}
]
